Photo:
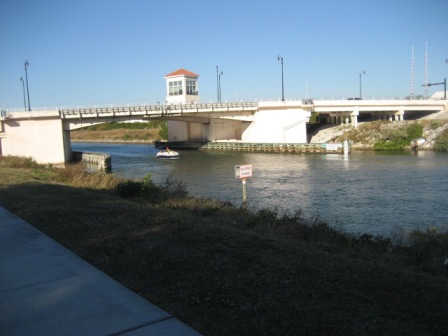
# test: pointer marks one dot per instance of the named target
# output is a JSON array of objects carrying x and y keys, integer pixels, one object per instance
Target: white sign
[
  {"x": 243, "y": 171},
  {"x": 333, "y": 147}
]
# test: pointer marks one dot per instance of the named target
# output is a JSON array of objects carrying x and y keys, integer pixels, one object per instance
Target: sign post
[{"x": 242, "y": 172}]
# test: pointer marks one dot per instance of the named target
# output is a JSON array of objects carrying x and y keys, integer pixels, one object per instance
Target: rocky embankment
[{"x": 365, "y": 135}]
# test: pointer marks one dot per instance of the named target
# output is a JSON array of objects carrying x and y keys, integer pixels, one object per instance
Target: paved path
[{"x": 46, "y": 289}]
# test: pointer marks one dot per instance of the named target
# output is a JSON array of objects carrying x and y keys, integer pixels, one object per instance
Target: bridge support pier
[
  {"x": 354, "y": 116},
  {"x": 37, "y": 134}
]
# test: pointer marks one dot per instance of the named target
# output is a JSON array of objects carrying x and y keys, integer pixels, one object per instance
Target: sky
[{"x": 103, "y": 52}]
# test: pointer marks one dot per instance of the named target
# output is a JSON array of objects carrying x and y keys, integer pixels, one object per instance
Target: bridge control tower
[{"x": 182, "y": 87}]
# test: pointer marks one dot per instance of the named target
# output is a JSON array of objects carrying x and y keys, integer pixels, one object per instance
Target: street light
[
  {"x": 27, "y": 89},
  {"x": 360, "y": 86},
  {"x": 280, "y": 59},
  {"x": 219, "y": 86},
  {"x": 23, "y": 87}
]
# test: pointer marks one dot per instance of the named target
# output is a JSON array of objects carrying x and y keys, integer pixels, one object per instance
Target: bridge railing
[{"x": 147, "y": 110}]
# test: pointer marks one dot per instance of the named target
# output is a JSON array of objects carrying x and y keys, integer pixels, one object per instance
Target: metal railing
[{"x": 144, "y": 110}]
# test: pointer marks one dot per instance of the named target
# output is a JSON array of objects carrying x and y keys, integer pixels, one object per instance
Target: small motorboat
[{"x": 167, "y": 154}]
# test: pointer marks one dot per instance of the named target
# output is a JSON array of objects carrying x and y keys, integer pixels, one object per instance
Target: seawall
[{"x": 96, "y": 161}]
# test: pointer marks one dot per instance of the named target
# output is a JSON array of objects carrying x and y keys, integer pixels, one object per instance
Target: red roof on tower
[{"x": 181, "y": 72}]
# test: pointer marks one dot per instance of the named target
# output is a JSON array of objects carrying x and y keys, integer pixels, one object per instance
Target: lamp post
[
  {"x": 23, "y": 87},
  {"x": 27, "y": 89},
  {"x": 360, "y": 85},
  {"x": 280, "y": 59},
  {"x": 219, "y": 86}
]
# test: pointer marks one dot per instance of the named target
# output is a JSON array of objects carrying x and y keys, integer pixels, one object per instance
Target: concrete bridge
[
  {"x": 44, "y": 134},
  {"x": 349, "y": 111}
]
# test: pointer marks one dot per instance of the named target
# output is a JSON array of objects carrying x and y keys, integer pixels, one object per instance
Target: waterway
[{"x": 382, "y": 193}]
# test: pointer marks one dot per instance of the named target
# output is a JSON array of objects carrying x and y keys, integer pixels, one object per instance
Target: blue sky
[{"x": 95, "y": 52}]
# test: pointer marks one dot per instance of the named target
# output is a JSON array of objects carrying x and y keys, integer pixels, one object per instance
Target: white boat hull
[{"x": 167, "y": 154}]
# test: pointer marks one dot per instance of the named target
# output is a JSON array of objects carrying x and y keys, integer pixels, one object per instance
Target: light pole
[
  {"x": 219, "y": 86},
  {"x": 23, "y": 87},
  {"x": 217, "y": 83},
  {"x": 27, "y": 89},
  {"x": 360, "y": 86},
  {"x": 280, "y": 59}
]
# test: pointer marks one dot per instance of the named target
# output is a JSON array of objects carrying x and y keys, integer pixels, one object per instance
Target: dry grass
[
  {"x": 226, "y": 271},
  {"x": 116, "y": 135}
]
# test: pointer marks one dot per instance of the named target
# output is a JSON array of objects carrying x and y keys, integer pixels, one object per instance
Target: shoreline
[{"x": 354, "y": 148}]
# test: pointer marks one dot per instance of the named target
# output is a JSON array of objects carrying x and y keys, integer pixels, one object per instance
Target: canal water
[{"x": 364, "y": 192}]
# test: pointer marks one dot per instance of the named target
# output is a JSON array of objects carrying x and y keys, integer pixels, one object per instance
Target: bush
[
  {"x": 441, "y": 145},
  {"x": 414, "y": 131},
  {"x": 171, "y": 189},
  {"x": 398, "y": 139},
  {"x": 441, "y": 142},
  {"x": 128, "y": 189},
  {"x": 428, "y": 247},
  {"x": 163, "y": 132},
  {"x": 18, "y": 162}
]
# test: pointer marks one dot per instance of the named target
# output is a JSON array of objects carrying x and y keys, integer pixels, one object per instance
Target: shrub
[
  {"x": 441, "y": 142},
  {"x": 398, "y": 139},
  {"x": 441, "y": 145},
  {"x": 435, "y": 124},
  {"x": 128, "y": 189},
  {"x": 18, "y": 162},
  {"x": 428, "y": 247},
  {"x": 414, "y": 131},
  {"x": 163, "y": 132}
]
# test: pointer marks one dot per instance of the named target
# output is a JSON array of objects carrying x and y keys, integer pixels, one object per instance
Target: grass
[
  {"x": 122, "y": 132},
  {"x": 225, "y": 270}
]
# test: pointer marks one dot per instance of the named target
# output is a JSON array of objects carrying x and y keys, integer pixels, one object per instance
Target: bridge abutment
[{"x": 39, "y": 135}]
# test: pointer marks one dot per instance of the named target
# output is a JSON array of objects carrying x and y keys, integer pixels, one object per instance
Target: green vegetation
[
  {"x": 441, "y": 142},
  {"x": 225, "y": 270},
  {"x": 386, "y": 135},
  {"x": 399, "y": 138},
  {"x": 163, "y": 132}
]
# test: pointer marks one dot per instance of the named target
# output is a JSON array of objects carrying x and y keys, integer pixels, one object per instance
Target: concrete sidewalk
[{"x": 46, "y": 289}]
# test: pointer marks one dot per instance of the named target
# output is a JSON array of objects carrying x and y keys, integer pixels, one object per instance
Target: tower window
[
  {"x": 191, "y": 88},
  {"x": 175, "y": 88}
]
